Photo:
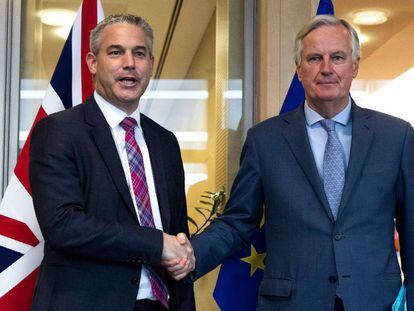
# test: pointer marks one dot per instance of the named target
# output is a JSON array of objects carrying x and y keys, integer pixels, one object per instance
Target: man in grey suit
[{"x": 332, "y": 177}]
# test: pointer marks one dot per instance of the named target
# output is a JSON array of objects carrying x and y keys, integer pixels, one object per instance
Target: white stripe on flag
[
  {"x": 18, "y": 204},
  {"x": 14, "y": 245},
  {"x": 19, "y": 270},
  {"x": 100, "y": 11},
  {"x": 76, "y": 60},
  {"x": 52, "y": 102}
]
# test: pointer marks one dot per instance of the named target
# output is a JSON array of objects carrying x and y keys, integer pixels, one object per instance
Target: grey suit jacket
[
  {"x": 311, "y": 258},
  {"x": 94, "y": 245}
]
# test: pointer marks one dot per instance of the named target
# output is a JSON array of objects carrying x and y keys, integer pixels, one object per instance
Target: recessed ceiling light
[
  {"x": 369, "y": 17},
  {"x": 63, "y": 31},
  {"x": 363, "y": 38},
  {"x": 57, "y": 17}
]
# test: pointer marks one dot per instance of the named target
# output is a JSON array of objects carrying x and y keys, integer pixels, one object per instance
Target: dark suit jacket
[
  {"x": 94, "y": 245},
  {"x": 310, "y": 257}
]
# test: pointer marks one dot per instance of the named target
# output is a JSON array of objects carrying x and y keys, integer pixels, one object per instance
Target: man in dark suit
[
  {"x": 332, "y": 177},
  {"x": 108, "y": 188}
]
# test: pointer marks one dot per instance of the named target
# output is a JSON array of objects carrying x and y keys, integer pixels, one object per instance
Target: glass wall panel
[
  {"x": 196, "y": 91},
  {"x": 386, "y": 71}
]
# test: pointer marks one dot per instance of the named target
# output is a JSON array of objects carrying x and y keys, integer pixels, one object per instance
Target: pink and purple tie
[{"x": 139, "y": 184}]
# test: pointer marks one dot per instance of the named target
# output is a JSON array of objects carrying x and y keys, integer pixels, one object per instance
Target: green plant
[{"x": 213, "y": 207}]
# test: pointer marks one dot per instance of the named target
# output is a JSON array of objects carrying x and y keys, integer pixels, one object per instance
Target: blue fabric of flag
[
  {"x": 60, "y": 82},
  {"x": 8, "y": 257},
  {"x": 236, "y": 289}
]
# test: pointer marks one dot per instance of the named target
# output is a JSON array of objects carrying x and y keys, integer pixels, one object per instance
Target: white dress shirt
[{"x": 114, "y": 116}]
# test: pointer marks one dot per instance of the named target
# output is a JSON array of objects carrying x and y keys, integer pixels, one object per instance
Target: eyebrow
[
  {"x": 114, "y": 46},
  {"x": 321, "y": 54},
  {"x": 120, "y": 47}
]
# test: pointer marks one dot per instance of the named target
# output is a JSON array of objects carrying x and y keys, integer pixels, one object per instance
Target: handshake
[{"x": 177, "y": 255}]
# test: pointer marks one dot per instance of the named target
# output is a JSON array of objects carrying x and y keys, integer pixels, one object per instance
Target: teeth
[{"x": 128, "y": 81}]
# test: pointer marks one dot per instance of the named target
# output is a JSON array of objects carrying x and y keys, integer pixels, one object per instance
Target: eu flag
[{"x": 237, "y": 286}]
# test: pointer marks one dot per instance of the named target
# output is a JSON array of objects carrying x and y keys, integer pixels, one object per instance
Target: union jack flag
[{"x": 21, "y": 242}]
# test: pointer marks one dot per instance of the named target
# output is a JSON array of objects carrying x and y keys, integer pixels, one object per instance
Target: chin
[
  {"x": 129, "y": 97},
  {"x": 328, "y": 96}
]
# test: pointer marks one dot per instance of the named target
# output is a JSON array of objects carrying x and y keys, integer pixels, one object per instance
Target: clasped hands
[{"x": 177, "y": 255}]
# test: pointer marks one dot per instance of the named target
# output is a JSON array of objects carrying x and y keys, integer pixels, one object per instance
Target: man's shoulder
[
  {"x": 275, "y": 123},
  {"x": 65, "y": 118},
  {"x": 149, "y": 124}
]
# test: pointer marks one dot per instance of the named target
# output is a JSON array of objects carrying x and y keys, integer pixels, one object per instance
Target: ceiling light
[
  {"x": 57, "y": 17},
  {"x": 370, "y": 17},
  {"x": 362, "y": 38},
  {"x": 63, "y": 31}
]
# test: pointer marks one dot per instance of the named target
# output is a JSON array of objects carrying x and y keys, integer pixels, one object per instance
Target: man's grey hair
[
  {"x": 96, "y": 33},
  {"x": 326, "y": 20}
]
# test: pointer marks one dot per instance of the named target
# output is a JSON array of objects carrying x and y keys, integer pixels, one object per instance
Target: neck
[{"x": 328, "y": 109}]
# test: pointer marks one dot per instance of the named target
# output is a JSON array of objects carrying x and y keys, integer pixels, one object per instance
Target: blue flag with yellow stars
[{"x": 237, "y": 286}]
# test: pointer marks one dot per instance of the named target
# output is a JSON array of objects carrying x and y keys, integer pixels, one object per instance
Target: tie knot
[
  {"x": 328, "y": 125},
  {"x": 128, "y": 124}
]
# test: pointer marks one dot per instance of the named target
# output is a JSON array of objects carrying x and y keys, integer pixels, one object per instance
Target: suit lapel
[
  {"x": 153, "y": 142},
  {"x": 362, "y": 137},
  {"x": 295, "y": 134},
  {"x": 104, "y": 141}
]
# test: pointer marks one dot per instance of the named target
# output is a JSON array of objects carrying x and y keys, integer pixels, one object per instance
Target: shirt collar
[
  {"x": 312, "y": 117},
  {"x": 112, "y": 114}
]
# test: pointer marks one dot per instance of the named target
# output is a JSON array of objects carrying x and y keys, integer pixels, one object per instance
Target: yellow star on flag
[{"x": 255, "y": 260}]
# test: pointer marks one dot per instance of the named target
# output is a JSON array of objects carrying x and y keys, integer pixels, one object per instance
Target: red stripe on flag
[
  {"x": 22, "y": 167},
  {"x": 17, "y": 230},
  {"x": 89, "y": 18},
  {"x": 20, "y": 297}
]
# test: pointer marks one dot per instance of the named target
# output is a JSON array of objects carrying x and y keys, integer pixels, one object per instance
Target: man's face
[
  {"x": 326, "y": 69},
  {"x": 123, "y": 66}
]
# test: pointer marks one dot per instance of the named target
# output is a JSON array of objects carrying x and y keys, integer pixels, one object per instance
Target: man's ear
[
  {"x": 152, "y": 65},
  {"x": 355, "y": 68},
  {"x": 91, "y": 62},
  {"x": 299, "y": 73}
]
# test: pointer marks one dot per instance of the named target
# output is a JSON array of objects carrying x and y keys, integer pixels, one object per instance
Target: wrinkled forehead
[{"x": 328, "y": 37}]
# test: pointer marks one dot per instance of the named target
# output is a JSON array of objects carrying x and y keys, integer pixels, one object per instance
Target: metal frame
[
  {"x": 10, "y": 15},
  {"x": 250, "y": 105}
]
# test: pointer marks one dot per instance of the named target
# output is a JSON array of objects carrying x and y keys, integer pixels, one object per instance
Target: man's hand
[{"x": 177, "y": 255}]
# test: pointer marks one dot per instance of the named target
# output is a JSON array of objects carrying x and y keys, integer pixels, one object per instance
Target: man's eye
[
  {"x": 140, "y": 54},
  {"x": 337, "y": 58},
  {"x": 115, "y": 53},
  {"x": 313, "y": 59}
]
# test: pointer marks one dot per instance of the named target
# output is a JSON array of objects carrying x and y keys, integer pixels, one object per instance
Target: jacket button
[
  {"x": 332, "y": 279},
  {"x": 134, "y": 281},
  {"x": 338, "y": 236}
]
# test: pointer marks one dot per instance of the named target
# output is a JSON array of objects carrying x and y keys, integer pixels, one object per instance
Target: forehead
[
  {"x": 327, "y": 38},
  {"x": 123, "y": 34}
]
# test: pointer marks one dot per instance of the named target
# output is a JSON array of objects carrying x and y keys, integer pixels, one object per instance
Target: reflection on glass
[{"x": 393, "y": 97}]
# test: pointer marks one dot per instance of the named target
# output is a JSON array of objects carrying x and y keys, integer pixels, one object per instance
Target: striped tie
[
  {"x": 333, "y": 167},
  {"x": 139, "y": 184}
]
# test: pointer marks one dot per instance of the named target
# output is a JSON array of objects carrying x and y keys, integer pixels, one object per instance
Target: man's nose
[
  {"x": 128, "y": 60},
  {"x": 326, "y": 65}
]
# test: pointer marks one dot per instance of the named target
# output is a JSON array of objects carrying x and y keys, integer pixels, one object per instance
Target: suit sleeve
[
  {"x": 184, "y": 292},
  {"x": 231, "y": 231},
  {"x": 60, "y": 208},
  {"x": 405, "y": 214}
]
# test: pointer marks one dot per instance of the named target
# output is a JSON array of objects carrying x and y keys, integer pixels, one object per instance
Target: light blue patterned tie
[{"x": 333, "y": 167}]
